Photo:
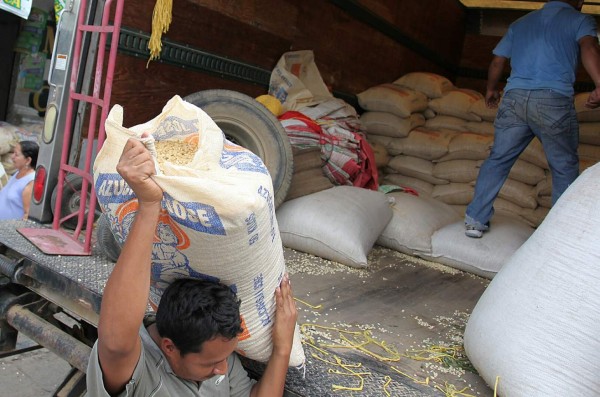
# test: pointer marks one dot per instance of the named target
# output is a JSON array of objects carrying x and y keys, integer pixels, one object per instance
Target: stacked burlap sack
[
  {"x": 437, "y": 136},
  {"x": 308, "y": 176}
]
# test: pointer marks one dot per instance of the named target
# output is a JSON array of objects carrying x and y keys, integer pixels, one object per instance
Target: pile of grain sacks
[{"x": 437, "y": 136}]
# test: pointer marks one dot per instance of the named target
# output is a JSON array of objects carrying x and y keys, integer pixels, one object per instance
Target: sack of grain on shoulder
[{"x": 217, "y": 220}]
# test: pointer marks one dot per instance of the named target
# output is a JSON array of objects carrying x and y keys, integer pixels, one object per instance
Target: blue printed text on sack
[{"x": 194, "y": 215}]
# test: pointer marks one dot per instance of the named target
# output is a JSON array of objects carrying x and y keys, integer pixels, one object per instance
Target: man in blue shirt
[{"x": 544, "y": 48}]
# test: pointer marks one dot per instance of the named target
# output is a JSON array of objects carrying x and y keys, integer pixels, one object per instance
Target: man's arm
[
  {"x": 492, "y": 94},
  {"x": 590, "y": 57},
  {"x": 125, "y": 297},
  {"x": 273, "y": 379}
]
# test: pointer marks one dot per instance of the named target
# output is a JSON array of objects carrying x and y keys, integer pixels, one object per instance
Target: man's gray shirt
[{"x": 153, "y": 377}]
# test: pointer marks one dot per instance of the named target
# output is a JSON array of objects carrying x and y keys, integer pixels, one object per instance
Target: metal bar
[
  {"x": 97, "y": 29},
  {"x": 49, "y": 336},
  {"x": 9, "y": 267},
  {"x": 87, "y": 98},
  {"x": 135, "y": 43}
]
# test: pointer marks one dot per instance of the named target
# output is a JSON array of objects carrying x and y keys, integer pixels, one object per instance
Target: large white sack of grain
[
  {"x": 414, "y": 221},
  {"x": 431, "y": 84},
  {"x": 388, "y": 124},
  {"x": 340, "y": 224},
  {"x": 457, "y": 103},
  {"x": 394, "y": 99},
  {"x": 217, "y": 219},
  {"x": 482, "y": 256},
  {"x": 536, "y": 325}
]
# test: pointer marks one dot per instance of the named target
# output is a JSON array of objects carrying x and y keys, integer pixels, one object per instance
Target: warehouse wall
[{"x": 357, "y": 44}]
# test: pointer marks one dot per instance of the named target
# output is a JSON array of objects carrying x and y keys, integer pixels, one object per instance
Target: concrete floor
[{"x": 36, "y": 373}]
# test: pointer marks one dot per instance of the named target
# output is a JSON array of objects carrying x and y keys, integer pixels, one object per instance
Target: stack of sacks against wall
[{"x": 438, "y": 149}]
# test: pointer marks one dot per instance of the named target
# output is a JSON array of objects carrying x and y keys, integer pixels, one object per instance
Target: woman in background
[{"x": 16, "y": 195}]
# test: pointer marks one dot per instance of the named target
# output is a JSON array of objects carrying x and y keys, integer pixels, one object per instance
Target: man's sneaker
[{"x": 472, "y": 232}]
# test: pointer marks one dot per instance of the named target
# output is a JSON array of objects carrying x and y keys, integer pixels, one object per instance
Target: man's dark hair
[
  {"x": 193, "y": 311},
  {"x": 30, "y": 149}
]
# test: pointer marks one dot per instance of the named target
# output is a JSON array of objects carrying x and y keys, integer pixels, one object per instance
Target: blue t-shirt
[
  {"x": 11, "y": 197},
  {"x": 543, "y": 47}
]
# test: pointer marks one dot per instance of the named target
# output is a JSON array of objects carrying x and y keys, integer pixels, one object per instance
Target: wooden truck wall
[{"x": 356, "y": 44}]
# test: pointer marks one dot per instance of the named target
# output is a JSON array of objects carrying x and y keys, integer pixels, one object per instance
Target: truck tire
[
  {"x": 247, "y": 123},
  {"x": 107, "y": 242},
  {"x": 71, "y": 200}
]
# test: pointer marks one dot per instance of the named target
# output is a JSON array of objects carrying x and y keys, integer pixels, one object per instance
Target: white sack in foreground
[
  {"x": 218, "y": 217},
  {"x": 537, "y": 324}
]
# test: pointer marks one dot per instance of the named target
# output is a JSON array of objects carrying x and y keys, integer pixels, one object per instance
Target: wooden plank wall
[{"x": 351, "y": 55}]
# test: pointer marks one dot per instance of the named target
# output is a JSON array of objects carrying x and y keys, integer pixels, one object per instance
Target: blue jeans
[{"x": 523, "y": 115}]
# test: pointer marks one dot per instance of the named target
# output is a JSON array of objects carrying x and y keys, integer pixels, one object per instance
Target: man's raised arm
[{"x": 125, "y": 297}]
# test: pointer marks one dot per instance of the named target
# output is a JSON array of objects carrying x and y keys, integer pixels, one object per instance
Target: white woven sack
[
  {"x": 414, "y": 220},
  {"x": 483, "y": 256},
  {"x": 536, "y": 325},
  {"x": 340, "y": 224},
  {"x": 217, "y": 219},
  {"x": 296, "y": 81}
]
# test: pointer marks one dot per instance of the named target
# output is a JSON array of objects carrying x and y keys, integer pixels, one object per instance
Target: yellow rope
[
  {"x": 421, "y": 382},
  {"x": 308, "y": 304},
  {"x": 496, "y": 386},
  {"x": 450, "y": 390},
  {"x": 388, "y": 380},
  {"x": 161, "y": 19}
]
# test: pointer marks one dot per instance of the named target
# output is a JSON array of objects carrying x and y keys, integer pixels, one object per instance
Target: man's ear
[{"x": 168, "y": 347}]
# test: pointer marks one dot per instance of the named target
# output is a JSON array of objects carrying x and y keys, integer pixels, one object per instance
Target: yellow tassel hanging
[{"x": 161, "y": 19}]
